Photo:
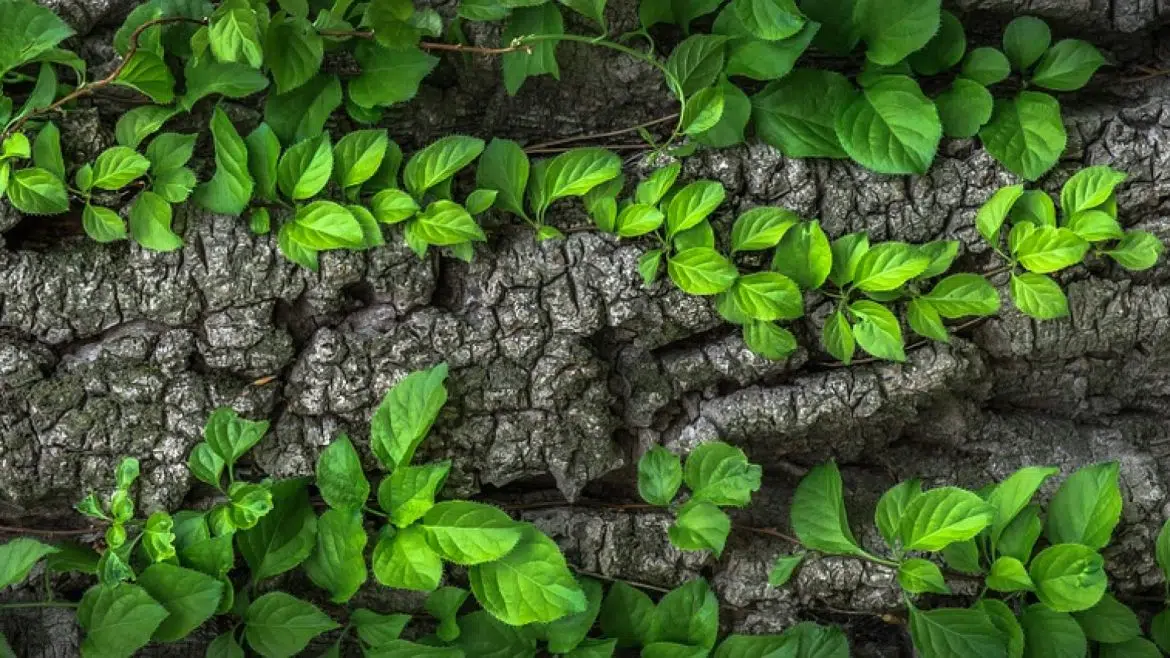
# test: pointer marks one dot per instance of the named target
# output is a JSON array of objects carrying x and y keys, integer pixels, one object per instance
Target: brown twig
[
  {"x": 91, "y": 87},
  {"x": 768, "y": 532},
  {"x": 612, "y": 133},
  {"x": 16, "y": 530},
  {"x": 611, "y": 147}
]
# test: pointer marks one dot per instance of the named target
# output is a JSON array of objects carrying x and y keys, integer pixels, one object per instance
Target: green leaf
[
  {"x": 538, "y": 58},
  {"x": 768, "y": 296},
  {"x": 1160, "y": 629},
  {"x": 1086, "y": 508},
  {"x": 679, "y": 12},
  {"x": 230, "y": 189},
  {"x": 964, "y": 108},
  {"x": 393, "y": 206},
  {"x": 263, "y": 155},
  {"x": 761, "y": 228},
  {"x": 955, "y": 633},
  {"x": 769, "y": 340},
  {"x": 637, "y": 219},
  {"x": 891, "y": 128},
  {"x": 443, "y": 604},
  {"x": 388, "y": 76},
  {"x": 406, "y": 649},
  {"x": 1068, "y": 577},
  {"x": 18, "y": 557},
  {"x": 410, "y": 491},
  {"x": 1024, "y": 40},
  {"x": 804, "y": 255},
  {"x": 961, "y": 295},
  {"x": 489, "y": 637},
  {"x": 893, "y": 29},
  {"x": 704, "y": 109},
  {"x": 118, "y": 619},
  {"x": 628, "y": 615},
  {"x": 1020, "y": 535},
  {"x": 575, "y": 172},
  {"x": 301, "y": 113},
  {"x": 888, "y": 265},
  {"x": 1051, "y": 633},
  {"x": 139, "y": 123},
  {"x": 279, "y": 625},
  {"x": 1025, "y": 134},
  {"x": 340, "y": 478},
  {"x": 470, "y": 533},
  {"x": 1110, "y": 621},
  {"x": 591, "y": 9},
  {"x": 205, "y": 76},
  {"x": 1095, "y": 226},
  {"x": 358, "y": 155},
  {"x": 406, "y": 414},
  {"x": 701, "y": 271},
  {"x": 990, "y": 218},
  {"x": 659, "y": 476},
  {"x": 692, "y": 204},
  {"x": 1011, "y": 497},
  {"x": 1067, "y": 66},
  {"x": 294, "y": 52},
  {"x": 944, "y": 50},
  {"x": 337, "y": 563},
  {"x": 530, "y": 584},
  {"x": 28, "y": 30},
  {"x": 1038, "y": 296},
  {"x": 837, "y": 337},
  {"x": 700, "y": 526},
  {"x": 697, "y": 62},
  {"x": 157, "y": 538},
  {"x": 760, "y": 59},
  {"x": 440, "y": 161},
  {"x": 892, "y": 505},
  {"x": 231, "y": 436},
  {"x": 149, "y": 74},
  {"x": 284, "y": 537},
  {"x": 189, "y": 597},
  {"x": 406, "y": 561},
  {"x": 986, "y": 66},
  {"x": 567, "y": 633},
  {"x": 379, "y": 630},
  {"x": 688, "y": 614},
  {"x": 117, "y": 167},
  {"x": 803, "y": 125},
  {"x": 963, "y": 557},
  {"x": 918, "y": 576},
  {"x": 1162, "y": 550},
  {"x": 818, "y": 513},
  {"x": 1005, "y": 622},
  {"x": 326, "y": 225},
  {"x": 150, "y": 223},
  {"x": 234, "y": 34},
  {"x": 673, "y": 650},
  {"x": 649, "y": 264},
  {"x": 1088, "y": 188},
  {"x": 1134, "y": 648},
  {"x": 170, "y": 152},
  {"x": 1048, "y": 249},
  {"x": 770, "y": 20},
  {"x": 1138, "y": 250},
  {"x": 446, "y": 223},
  {"x": 940, "y": 517},
  {"x": 847, "y": 252},
  {"x": 36, "y": 191},
  {"x": 304, "y": 169},
  {"x": 877, "y": 330},
  {"x": 504, "y": 168},
  {"x": 46, "y": 151},
  {"x": 1009, "y": 575},
  {"x": 925, "y": 320}
]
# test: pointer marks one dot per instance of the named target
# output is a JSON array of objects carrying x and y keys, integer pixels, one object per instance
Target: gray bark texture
[{"x": 564, "y": 369}]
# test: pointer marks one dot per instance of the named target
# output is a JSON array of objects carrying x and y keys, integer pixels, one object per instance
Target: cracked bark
[{"x": 563, "y": 368}]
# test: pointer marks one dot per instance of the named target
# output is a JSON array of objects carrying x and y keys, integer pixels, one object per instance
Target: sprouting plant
[
  {"x": 717, "y": 475},
  {"x": 1044, "y": 583}
]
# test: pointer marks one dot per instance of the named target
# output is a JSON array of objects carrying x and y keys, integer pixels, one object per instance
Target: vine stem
[
  {"x": 14, "y": 530},
  {"x": 90, "y": 87},
  {"x": 429, "y": 45},
  {"x": 38, "y": 604}
]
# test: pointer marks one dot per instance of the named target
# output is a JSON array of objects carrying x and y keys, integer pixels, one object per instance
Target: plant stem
[
  {"x": 38, "y": 604},
  {"x": 593, "y": 136},
  {"x": 90, "y": 87},
  {"x": 427, "y": 45}
]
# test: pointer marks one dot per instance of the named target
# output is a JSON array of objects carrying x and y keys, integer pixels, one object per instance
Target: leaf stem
[
  {"x": 38, "y": 604},
  {"x": 90, "y": 87}
]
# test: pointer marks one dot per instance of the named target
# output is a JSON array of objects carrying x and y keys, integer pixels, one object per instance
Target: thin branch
[
  {"x": 612, "y": 147},
  {"x": 613, "y": 579},
  {"x": 91, "y": 87},
  {"x": 768, "y": 532},
  {"x": 594, "y": 136},
  {"x": 16, "y": 530},
  {"x": 431, "y": 45}
]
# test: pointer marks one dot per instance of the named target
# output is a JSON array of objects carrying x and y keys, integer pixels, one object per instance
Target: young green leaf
[
  {"x": 659, "y": 476},
  {"x": 277, "y": 624},
  {"x": 1048, "y": 249},
  {"x": 410, "y": 491},
  {"x": 1025, "y": 134},
  {"x": 150, "y": 223},
  {"x": 888, "y": 265},
  {"x": 504, "y": 168},
  {"x": 46, "y": 151},
  {"x": 566, "y": 634},
  {"x": 205, "y": 76},
  {"x": 891, "y": 507},
  {"x": 1088, "y": 188},
  {"x": 1024, "y": 40},
  {"x": 538, "y": 58},
  {"x": 769, "y": 340},
  {"x": 720, "y": 474},
  {"x": 891, "y": 128},
  {"x": 1011, "y": 497},
  {"x": 768, "y": 296},
  {"x": 1009, "y": 575},
  {"x": 530, "y": 584},
  {"x": 1057, "y": 632},
  {"x": 877, "y": 330},
  {"x": 340, "y": 477},
  {"x": 761, "y": 228},
  {"x": 637, "y": 219},
  {"x": 1095, "y": 226},
  {"x": 118, "y": 619},
  {"x": 337, "y": 563},
  {"x": 1110, "y": 622},
  {"x": 893, "y": 29},
  {"x": 36, "y": 191},
  {"x": 627, "y": 614},
  {"x": 697, "y": 62},
  {"x": 944, "y": 50},
  {"x": 804, "y": 255},
  {"x": 701, "y": 271},
  {"x": 964, "y": 108},
  {"x": 837, "y": 337},
  {"x": 1086, "y": 507},
  {"x": 1068, "y": 577},
  {"x": 961, "y": 295},
  {"x": 1019, "y": 537},
  {"x": 234, "y": 34},
  {"x": 575, "y": 172},
  {"x": 918, "y": 576},
  {"x": 294, "y": 50},
  {"x": 231, "y": 436},
  {"x": 1067, "y": 66},
  {"x": 301, "y": 113},
  {"x": 926, "y": 321},
  {"x": 18, "y": 557},
  {"x": 139, "y": 123},
  {"x": 692, "y": 204},
  {"x": 1038, "y": 296},
  {"x": 230, "y": 189},
  {"x": 406, "y": 561},
  {"x": 990, "y": 218},
  {"x": 406, "y": 414},
  {"x": 446, "y": 223},
  {"x": 688, "y": 614},
  {"x": 283, "y": 537},
  {"x": 149, "y": 74},
  {"x": 818, "y": 513},
  {"x": 190, "y": 598},
  {"x": 803, "y": 125},
  {"x": 940, "y": 517},
  {"x": 783, "y": 569},
  {"x": 380, "y": 630},
  {"x": 1137, "y": 251},
  {"x": 986, "y": 66},
  {"x": 358, "y": 155},
  {"x": 770, "y": 20},
  {"x": 304, "y": 169},
  {"x": 102, "y": 224},
  {"x": 760, "y": 59},
  {"x": 955, "y": 632},
  {"x": 440, "y": 161},
  {"x": 700, "y": 526},
  {"x": 729, "y": 129},
  {"x": 470, "y": 533},
  {"x": 704, "y": 109}
]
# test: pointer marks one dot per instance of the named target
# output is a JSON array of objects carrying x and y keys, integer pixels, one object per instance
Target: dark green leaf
[{"x": 278, "y": 625}]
